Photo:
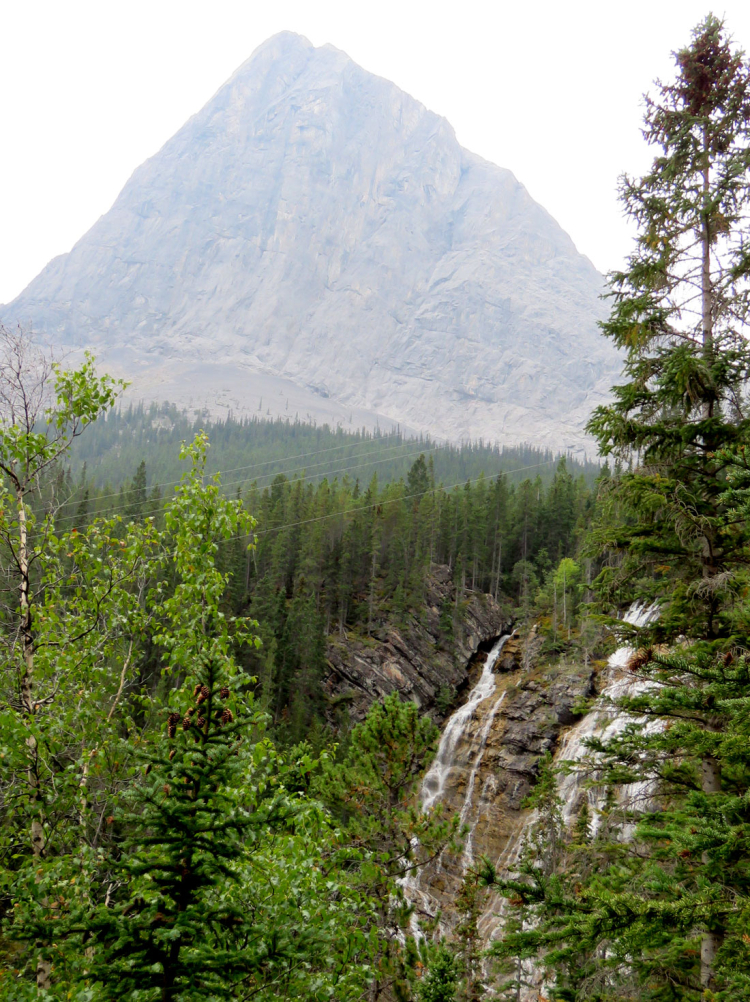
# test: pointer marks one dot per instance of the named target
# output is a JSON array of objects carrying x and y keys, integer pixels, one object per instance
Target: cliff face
[
  {"x": 317, "y": 239},
  {"x": 418, "y": 660},
  {"x": 491, "y": 769}
]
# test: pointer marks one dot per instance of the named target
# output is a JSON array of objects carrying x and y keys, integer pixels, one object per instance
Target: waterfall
[
  {"x": 605, "y": 721},
  {"x": 457, "y": 752},
  {"x": 433, "y": 784},
  {"x": 469, "y": 744}
]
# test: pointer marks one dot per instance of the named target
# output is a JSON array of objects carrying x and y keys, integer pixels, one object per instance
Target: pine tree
[
  {"x": 175, "y": 931},
  {"x": 137, "y": 496},
  {"x": 679, "y": 312},
  {"x": 440, "y": 982}
]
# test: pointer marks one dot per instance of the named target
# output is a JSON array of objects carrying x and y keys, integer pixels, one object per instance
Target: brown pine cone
[
  {"x": 640, "y": 658},
  {"x": 227, "y": 717},
  {"x": 224, "y": 693},
  {"x": 203, "y": 695},
  {"x": 171, "y": 754},
  {"x": 197, "y": 688},
  {"x": 172, "y": 721},
  {"x": 186, "y": 722},
  {"x": 200, "y": 722}
]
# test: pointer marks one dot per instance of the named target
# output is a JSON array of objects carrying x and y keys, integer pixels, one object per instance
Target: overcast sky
[{"x": 552, "y": 91}]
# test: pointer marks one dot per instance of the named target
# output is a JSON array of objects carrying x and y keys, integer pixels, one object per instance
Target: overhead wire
[
  {"x": 251, "y": 466},
  {"x": 381, "y": 504},
  {"x": 396, "y": 500},
  {"x": 244, "y": 480}
]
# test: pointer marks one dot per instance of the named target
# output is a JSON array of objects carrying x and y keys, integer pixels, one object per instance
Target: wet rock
[
  {"x": 417, "y": 660},
  {"x": 529, "y": 714}
]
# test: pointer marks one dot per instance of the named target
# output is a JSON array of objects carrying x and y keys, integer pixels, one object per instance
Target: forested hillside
[
  {"x": 123, "y": 803},
  {"x": 334, "y": 552},
  {"x": 255, "y": 450}
]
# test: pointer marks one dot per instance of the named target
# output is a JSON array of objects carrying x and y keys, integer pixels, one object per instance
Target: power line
[
  {"x": 382, "y": 504},
  {"x": 407, "y": 497},
  {"x": 251, "y": 466},
  {"x": 296, "y": 480}
]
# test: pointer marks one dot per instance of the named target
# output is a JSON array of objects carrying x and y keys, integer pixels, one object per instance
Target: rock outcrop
[
  {"x": 315, "y": 242},
  {"x": 493, "y": 769},
  {"x": 418, "y": 660}
]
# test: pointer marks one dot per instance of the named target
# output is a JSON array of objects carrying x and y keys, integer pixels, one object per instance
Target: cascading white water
[
  {"x": 468, "y": 856},
  {"x": 433, "y": 784},
  {"x": 464, "y": 751},
  {"x": 606, "y": 722}
]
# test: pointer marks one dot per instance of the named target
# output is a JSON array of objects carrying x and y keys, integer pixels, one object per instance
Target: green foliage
[
  {"x": 440, "y": 982},
  {"x": 372, "y": 792},
  {"x": 679, "y": 309},
  {"x": 258, "y": 449},
  {"x": 332, "y": 558},
  {"x": 217, "y": 873},
  {"x": 651, "y": 902}
]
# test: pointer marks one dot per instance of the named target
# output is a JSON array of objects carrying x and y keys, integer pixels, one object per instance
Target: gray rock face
[
  {"x": 315, "y": 224},
  {"x": 416, "y": 659},
  {"x": 503, "y": 744}
]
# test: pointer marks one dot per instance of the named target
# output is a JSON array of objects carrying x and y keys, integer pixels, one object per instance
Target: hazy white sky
[{"x": 552, "y": 90}]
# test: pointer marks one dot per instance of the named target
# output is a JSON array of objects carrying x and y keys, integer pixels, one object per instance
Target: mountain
[{"x": 316, "y": 242}]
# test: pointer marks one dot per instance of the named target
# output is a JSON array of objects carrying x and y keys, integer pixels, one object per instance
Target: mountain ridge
[{"x": 316, "y": 229}]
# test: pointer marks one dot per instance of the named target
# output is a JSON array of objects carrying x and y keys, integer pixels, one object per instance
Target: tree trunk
[
  {"x": 554, "y": 608},
  {"x": 710, "y": 940},
  {"x": 27, "y": 676},
  {"x": 28, "y": 704},
  {"x": 372, "y": 588},
  {"x": 706, "y": 286}
]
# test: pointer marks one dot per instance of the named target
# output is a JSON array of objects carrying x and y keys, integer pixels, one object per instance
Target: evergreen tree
[
  {"x": 653, "y": 906},
  {"x": 680, "y": 310},
  {"x": 137, "y": 496},
  {"x": 175, "y": 932},
  {"x": 214, "y": 821},
  {"x": 372, "y": 791},
  {"x": 439, "y": 984}
]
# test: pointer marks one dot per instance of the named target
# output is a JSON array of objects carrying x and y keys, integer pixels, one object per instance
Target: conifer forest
[{"x": 203, "y": 793}]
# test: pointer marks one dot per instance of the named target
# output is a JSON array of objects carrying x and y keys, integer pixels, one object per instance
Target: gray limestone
[{"x": 315, "y": 226}]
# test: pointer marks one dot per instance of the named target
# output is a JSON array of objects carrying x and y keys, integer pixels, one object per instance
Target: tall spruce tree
[
  {"x": 653, "y": 905},
  {"x": 679, "y": 312}
]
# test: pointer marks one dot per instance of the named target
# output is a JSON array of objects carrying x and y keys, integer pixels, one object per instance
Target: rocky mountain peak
[{"x": 315, "y": 242}]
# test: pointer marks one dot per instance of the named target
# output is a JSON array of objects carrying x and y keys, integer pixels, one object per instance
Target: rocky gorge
[
  {"x": 418, "y": 658},
  {"x": 501, "y": 709}
]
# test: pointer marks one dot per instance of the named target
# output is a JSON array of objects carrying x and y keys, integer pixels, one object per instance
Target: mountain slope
[{"x": 317, "y": 233}]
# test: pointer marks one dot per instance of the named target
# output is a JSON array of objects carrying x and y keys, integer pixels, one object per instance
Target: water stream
[
  {"x": 605, "y": 721},
  {"x": 452, "y": 778},
  {"x": 458, "y": 751},
  {"x": 458, "y": 763},
  {"x": 433, "y": 785}
]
